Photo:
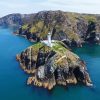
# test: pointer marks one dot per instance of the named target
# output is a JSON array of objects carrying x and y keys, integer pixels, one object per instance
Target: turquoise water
[{"x": 13, "y": 79}]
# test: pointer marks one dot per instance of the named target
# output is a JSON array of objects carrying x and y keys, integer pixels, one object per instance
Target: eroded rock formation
[{"x": 49, "y": 66}]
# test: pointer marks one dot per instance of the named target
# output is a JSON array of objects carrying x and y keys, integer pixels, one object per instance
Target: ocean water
[{"x": 13, "y": 79}]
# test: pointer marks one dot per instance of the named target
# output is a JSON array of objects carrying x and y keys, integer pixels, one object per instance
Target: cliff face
[
  {"x": 49, "y": 66},
  {"x": 15, "y": 19},
  {"x": 11, "y": 20},
  {"x": 71, "y": 28}
]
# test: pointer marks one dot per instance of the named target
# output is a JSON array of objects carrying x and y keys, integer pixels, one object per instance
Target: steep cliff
[
  {"x": 71, "y": 28},
  {"x": 49, "y": 66}
]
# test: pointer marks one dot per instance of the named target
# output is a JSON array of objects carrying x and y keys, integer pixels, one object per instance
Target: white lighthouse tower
[{"x": 49, "y": 39}]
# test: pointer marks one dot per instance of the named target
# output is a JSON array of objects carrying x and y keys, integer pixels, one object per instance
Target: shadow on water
[{"x": 92, "y": 50}]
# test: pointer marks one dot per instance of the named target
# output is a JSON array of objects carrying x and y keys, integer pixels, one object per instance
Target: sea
[{"x": 13, "y": 79}]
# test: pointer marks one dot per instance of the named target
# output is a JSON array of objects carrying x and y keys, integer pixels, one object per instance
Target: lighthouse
[{"x": 49, "y": 39}]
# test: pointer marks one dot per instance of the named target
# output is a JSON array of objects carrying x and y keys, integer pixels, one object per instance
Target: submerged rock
[{"x": 49, "y": 66}]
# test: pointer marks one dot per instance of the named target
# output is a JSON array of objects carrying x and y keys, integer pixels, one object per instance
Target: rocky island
[{"x": 50, "y": 62}]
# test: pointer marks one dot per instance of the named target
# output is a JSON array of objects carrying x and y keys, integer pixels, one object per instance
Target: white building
[{"x": 49, "y": 41}]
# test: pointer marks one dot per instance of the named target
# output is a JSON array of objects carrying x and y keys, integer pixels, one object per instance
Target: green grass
[{"x": 24, "y": 27}]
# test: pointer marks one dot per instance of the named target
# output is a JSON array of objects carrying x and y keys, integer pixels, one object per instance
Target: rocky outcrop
[{"x": 50, "y": 66}]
